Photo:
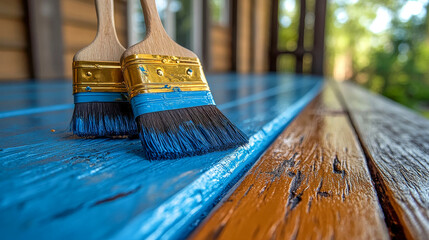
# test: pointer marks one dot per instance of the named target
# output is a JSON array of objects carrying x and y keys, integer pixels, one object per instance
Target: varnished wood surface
[
  {"x": 106, "y": 46},
  {"x": 312, "y": 183},
  {"x": 396, "y": 141},
  {"x": 57, "y": 186},
  {"x": 156, "y": 41}
]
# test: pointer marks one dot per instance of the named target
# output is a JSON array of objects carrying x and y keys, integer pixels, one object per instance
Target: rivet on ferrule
[
  {"x": 160, "y": 72},
  {"x": 100, "y": 76},
  {"x": 144, "y": 73}
]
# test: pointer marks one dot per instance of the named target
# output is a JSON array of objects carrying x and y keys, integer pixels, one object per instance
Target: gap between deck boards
[{"x": 396, "y": 230}]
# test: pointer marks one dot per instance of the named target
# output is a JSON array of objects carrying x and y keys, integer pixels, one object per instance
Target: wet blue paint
[
  {"x": 100, "y": 97},
  {"x": 23, "y": 96},
  {"x": 35, "y": 110},
  {"x": 171, "y": 220},
  {"x": 54, "y": 185},
  {"x": 144, "y": 71},
  {"x": 156, "y": 102}
]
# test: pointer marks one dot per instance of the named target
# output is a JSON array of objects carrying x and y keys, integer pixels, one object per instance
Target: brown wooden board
[
  {"x": 14, "y": 57},
  {"x": 312, "y": 183},
  {"x": 14, "y": 65},
  {"x": 13, "y": 9},
  {"x": 220, "y": 48},
  {"x": 396, "y": 141},
  {"x": 13, "y": 34}
]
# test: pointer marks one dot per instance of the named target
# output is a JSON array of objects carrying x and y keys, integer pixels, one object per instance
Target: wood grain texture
[
  {"x": 157, "y": 41},
  {"x": 312, "y": 183},
  {"x": 396, "y": 141},
  {"x": 106, "y": 46}
]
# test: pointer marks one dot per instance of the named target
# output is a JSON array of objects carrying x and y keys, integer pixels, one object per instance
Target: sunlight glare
[{"x": 382, "y": 22}]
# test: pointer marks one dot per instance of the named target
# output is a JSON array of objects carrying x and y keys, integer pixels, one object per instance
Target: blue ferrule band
[
  {"x": 156, "y": 102},
  {"x": 100, "y": 97}
]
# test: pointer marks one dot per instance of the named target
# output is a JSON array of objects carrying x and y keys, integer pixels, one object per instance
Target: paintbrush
[
  {"x": 100, "y": 96},
  {"x": 171, "y": 100}
]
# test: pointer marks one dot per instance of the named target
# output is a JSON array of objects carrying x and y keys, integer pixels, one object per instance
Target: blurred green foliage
[
  {"x": 381, "y": 44},
  {"x": 387, "y": 44}
]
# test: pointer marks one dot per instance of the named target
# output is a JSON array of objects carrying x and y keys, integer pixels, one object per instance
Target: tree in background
[{"x": 383, "y": 45}]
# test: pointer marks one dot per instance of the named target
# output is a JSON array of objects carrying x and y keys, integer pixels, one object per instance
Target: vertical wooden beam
[
  {"x": 28, "y": 39},
  {"x": 128, "y": 20},
  {"x": 260, "y": 36},
  {"x": 206, "y": 27},
  {"x": 252, "y": 18},
  {"x": 197, "y": 28},
  {"x": 234, "y": 28},
  {"x": 319, "y": 38},
  {"x": 274, "y": 35},
  {"x": 46, "y": 38},
  {"x": 300, "y": 45},
  {"x": 244, "y": 36}
]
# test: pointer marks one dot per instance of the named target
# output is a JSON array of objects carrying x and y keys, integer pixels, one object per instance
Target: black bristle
[
  {"x": 103, "y": 119},
  {"x": 187, "y": 132}
]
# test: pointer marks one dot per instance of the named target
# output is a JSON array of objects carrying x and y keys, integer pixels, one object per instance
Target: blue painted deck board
[{"x": 54, "y": 185}]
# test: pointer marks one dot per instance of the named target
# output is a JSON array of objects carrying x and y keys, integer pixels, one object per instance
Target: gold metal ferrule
[
  {"x": 97, "y": 77},
  {"x": 144, "y": 73}
]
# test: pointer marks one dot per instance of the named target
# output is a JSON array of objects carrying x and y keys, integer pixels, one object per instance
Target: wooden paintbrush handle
[
  {"x": 106, "y": 22},
  {"x": 106, "y": 46},
  {"x": 154, "y": 27},
  {"x": 157, "y": 41}
]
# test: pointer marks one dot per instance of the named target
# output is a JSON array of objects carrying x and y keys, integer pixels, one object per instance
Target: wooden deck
[
  {"x": 351, "y": 165},
  {"x": 312, "y": 183}
]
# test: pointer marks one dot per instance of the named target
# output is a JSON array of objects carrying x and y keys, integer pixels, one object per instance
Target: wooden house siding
[
  {"x": 80, "y": 27},
  {"x": 220, "y": 49},
  {"x": 14, "y": 57}
]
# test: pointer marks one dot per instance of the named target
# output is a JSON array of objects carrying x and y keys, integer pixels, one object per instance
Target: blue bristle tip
[
  {"x": 103, "y": 119},
  {"x": 187, "y": 132}
]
